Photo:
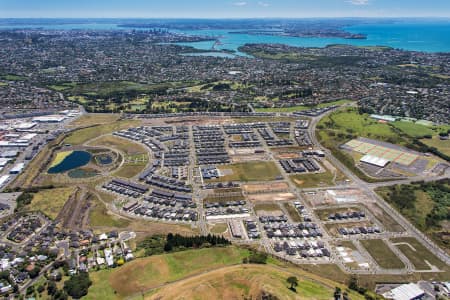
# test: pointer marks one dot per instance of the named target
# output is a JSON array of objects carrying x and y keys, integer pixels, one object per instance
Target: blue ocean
[{"x": 415, "y": 35}]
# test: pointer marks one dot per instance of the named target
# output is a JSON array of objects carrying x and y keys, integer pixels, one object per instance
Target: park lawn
[
  {"x": 413, "y": 129},
  {"x": 78, "y": 99},
  {"x": 106, "y": 88},
  {"x": 12, "y": 77},
  {"x": 63, "y": 86},
  {"x": 382, "y": 254},
  {"x": 145, "y": 273},
  {"x": 51, "y": 201},
  {"x": 313, "y": 180},
  {"x": 3, "y": 83},
  {"x": 350, "y": 121},
  {"x": 60, "y": 156},
  {"x": 219, "y": 228},
  {"x": 302, "y": 107},
  {"x": 292, "y": 211},
  {"x": 419, "y": 254},
  {"x": 126, "y": 146},
  {"x": 442, "y": 145},
  {"x": 249, "y": 171},
  {"x": 129, "y": 170},
  {"x": 81, "y": 136},
  {"x": 94, "y": 119}
]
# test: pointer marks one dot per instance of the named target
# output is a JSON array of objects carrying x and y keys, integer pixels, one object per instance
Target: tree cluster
[
  {"x": 178, "y": 242},
  {"x": 77, "y": 286}
]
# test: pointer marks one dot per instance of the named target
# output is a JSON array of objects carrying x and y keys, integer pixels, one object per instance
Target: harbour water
[{"x": 420, "y": 35}]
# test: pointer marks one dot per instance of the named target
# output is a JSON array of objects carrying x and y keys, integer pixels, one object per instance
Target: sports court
[{"x": 393, "y": 155}]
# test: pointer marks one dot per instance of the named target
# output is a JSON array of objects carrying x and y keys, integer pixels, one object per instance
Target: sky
[{"x": 222, "y": 8}]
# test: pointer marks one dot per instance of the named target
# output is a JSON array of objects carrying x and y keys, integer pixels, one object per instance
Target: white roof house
[
  {"x": 49, "y": 119},
  {"x": 17, "y": 168},
  {"x": 374, "y": 160},
  {"x": 109, "y": 257},
  {"x": 3, "y": 179},
  {"x": 408, "y": 291}
]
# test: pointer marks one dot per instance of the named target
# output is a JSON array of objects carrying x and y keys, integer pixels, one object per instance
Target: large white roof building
[{"x": 374, "y": 160}]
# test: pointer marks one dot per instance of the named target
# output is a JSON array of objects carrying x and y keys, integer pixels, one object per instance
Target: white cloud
[
  {"x": 242, "y": 3},
  {"x": 358, "y": 2},
  {"x": 263, "y": 4}
]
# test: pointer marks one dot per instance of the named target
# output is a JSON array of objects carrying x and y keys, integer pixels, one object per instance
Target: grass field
[
  {"x": 143, "y": 274},
  {"x": 99, "y": 217},
  {"x": 292, "y": 211},
  {"x": 83, "y": 135},
  {"x": 302, "y": 107},
  {"x": 219, "y": 228},
  {"x": 418, "y": 254},
  {"x": 442, "y": 145},
  {"x": 12, "y": 77},
  {"x": 412, "y": 129},
  {"x": 382, "y": 254},
  {"x": 313, "y": 180},
  {"x": 351, "y": 122},
  {"x": 267, "y": 207},
  {"x": 249, "y": 171},
  {"x": 210, "y": 273},
  {"x": 51, "y": 201},
  {"x": 94, "y": 119},
  {"x": 126, "y": 146},
  {"x": 60, "y": 156},
  {"x": 242, "y": 282}
]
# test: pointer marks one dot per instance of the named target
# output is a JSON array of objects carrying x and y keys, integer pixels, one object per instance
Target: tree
[
  {"x": 293, "y": 281},
  {"x": 34, "y": 272},
  {"x": 77, "y": 286},
  {"x": 51, "y": 288},
  {"x": 337, "y": 293}
]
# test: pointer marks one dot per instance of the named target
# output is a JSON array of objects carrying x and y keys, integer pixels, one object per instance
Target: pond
[
  {"x": 82, "y": 173},
  {"x": 74, "y": 160},
  {"x": 104, "y": 159}
]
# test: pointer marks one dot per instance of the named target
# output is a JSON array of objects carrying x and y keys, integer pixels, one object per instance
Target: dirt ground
[
  {"x": 349, "y": 196},
  {"x": 287, "y": 155},
  {"x": 265, "y": 188},
  {"x": 271, "y": 197},
  {"x": 244, "y": 158}
]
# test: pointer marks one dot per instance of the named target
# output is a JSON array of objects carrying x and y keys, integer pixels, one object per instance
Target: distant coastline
[{"x": 412, "y": 34}]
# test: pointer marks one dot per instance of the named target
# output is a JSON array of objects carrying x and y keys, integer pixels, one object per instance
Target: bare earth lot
[
  {"x": 266, "y": 187},
  {"x": 271, "y": 197}
]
